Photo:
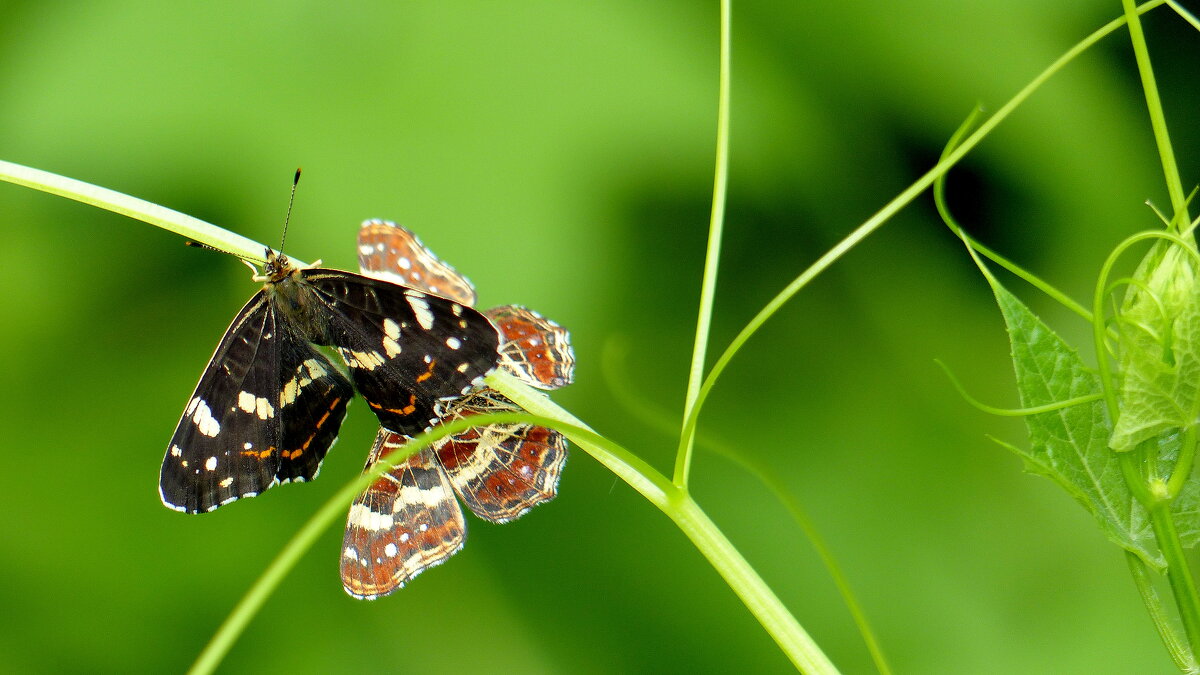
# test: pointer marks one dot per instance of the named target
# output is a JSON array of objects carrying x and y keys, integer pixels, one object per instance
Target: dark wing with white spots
[
  {"x": 405, "y": 522},
  {"x": 405, "y": 349},
  {"x": 265, "y": 411},
  {"x": 392, "y": 253}
]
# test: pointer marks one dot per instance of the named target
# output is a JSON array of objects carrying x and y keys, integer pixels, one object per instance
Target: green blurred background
[{"x": 560, "y": 155}]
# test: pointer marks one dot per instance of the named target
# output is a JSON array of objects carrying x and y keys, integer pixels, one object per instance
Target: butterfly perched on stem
[
  {"x": 408, "y": 519},
  {"x": 269, "y": 404}
]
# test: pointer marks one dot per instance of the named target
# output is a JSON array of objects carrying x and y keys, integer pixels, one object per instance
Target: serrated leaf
[{"x": 1070, "y": 445}]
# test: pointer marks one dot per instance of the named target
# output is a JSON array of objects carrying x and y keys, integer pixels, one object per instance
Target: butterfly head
[{"x": 276, "y": 266}]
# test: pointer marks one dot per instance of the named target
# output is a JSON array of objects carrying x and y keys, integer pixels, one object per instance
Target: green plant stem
[
  {"x": 1187, "y": 16},
  {"x": 678, "y": 505},
  {"x": 1014, "y": 412},
  {"x": 748, "y": 586},
  {"x": 1141, "y": 579},
  {"x": 138, "y": 209},
  {"x": 891, "y": 208},
  {"x": 939, "y": 200},
  {"x": 647, "y": 413},
  {"x": 1158, "y": 121},
  {"x": 716, "y": 225},
  {"x": 1183, "y": 586}
]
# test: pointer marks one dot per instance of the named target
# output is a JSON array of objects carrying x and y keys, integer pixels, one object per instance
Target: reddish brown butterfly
[{"x": 408, "y": 519}]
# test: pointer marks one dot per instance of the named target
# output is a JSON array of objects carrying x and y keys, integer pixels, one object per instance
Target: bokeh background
[{"x": 560, "y": 155}]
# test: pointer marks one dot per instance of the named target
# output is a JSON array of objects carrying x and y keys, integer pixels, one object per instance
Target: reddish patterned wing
[
  {"x": 500, "y": 471},
  {"x": 390, "y": 252},
  {"x": 533, "y": 348},
  {"x": 403, "y": 523}
]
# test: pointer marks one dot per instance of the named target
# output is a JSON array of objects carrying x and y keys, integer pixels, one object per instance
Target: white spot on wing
[
  {"x": 390, "y": 550},
  {"x": 371, "y": 521},
  {"x": 257, "y": 405},
  {"x": 391, "y": 332},
  {"x": 311, "y": 369},
  {"x": 211, "y": 463},
  {"x": 421, "y": 310},
  {"x": 453, "y": 342},
  {"x": 364, "y": 360},
  {"x": 391, "y": 329},
  {"x": 202, "y": 418}
]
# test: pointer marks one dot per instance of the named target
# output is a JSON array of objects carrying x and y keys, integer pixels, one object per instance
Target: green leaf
[
  {"x": 1070, "y": 445},
  {"x": 1159, "y": 349}
]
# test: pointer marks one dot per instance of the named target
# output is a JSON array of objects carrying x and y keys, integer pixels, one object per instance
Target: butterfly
[
  {"x": 269, "y": 403},
  {"x": 408, "y": 519}
]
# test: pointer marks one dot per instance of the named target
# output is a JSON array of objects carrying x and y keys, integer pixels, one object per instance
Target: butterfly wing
[
  {"x": 405, "y": 522},
  {"x": 405, "y": 349},
  {"x": 500, "y": 471},
  {"x": 266, "y": 410},
  {"x": 533, "y": 348},
  {"x": 390, "y": 252}
]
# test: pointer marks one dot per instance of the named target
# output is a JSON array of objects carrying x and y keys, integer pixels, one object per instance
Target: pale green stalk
[
  {"x": 683, "y": 456},
  {"x": 645, "y": 411},
  {"x": 138, "y": 209},
  {"x": 1158, "y": 121},
  {"x": 679, "y": 506}
]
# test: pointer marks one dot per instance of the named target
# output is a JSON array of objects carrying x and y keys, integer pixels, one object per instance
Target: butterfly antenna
[
  {"x": 288, "y": 217},
  {"x": 249, "y": 260}
]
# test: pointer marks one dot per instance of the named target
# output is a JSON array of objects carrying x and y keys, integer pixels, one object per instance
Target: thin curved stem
[
  {"x": 716, "y": 225},
  {"x": 1014, "y": 412}
]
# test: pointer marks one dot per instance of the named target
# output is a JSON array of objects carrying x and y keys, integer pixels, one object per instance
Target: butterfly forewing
[
  {"x": 266, "y": 410},
  {"x": 406, "y": 521},
  {"x": 405, "y": 349},
  {"x": 389, "y": 252}
]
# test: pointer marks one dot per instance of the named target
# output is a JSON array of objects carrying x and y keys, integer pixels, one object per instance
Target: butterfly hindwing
[
  {"x": 405, "y": 349},
  {"x": 266, "y": 410},
  {"x": 533, "y": 348},
  {"x": 500, "y": 471},
  {"x": 406, "y": 521},
  {"x": 313, "y": 398}
]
